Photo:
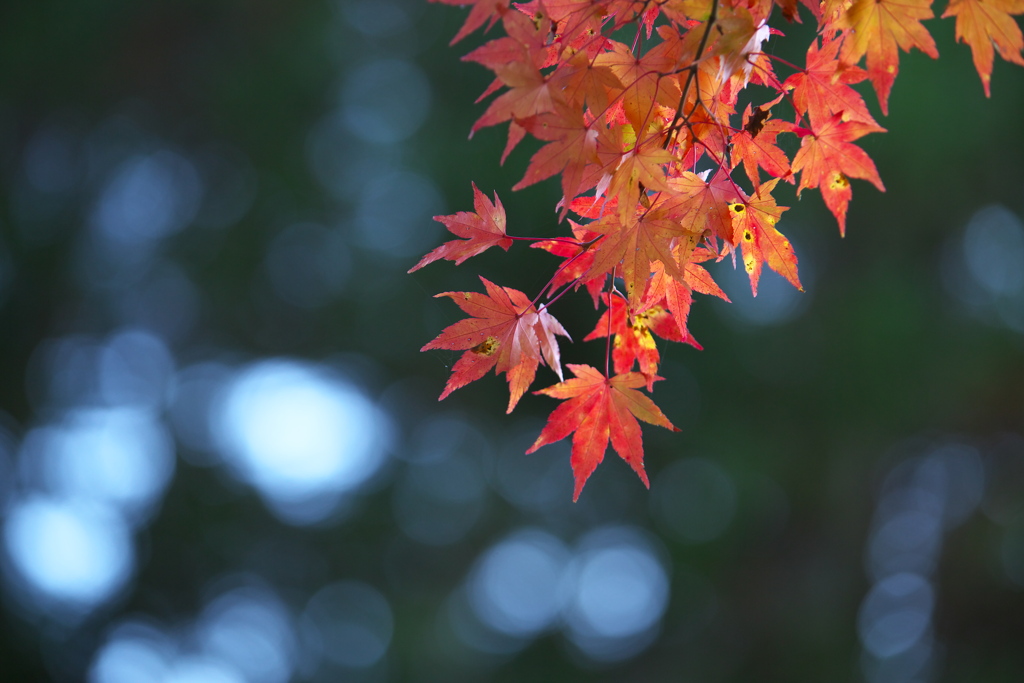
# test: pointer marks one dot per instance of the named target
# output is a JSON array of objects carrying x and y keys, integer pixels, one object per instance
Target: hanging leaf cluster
[{"x": 661, "y": 172}]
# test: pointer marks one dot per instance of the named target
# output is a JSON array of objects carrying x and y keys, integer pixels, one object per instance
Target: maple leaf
[
  {"x": 633, "y": 341},
  {"x": 480, "y": 231},
  {"x": 502, "y": 334},
  {"x": 598, "y": 409},
  {"x": 754, "y": 222},
  {"x": 827, "y": 160},
  {"x": 581, "y": 82},
  {"x": 483, "y": 12},
  {"x": 739, "y": 36},
  {"x": 530, "y": 94},
  {"x": 982, "y": 23},
  {"x": 663, "y": 289},
  {"x": 758, "y": 148},
  {"x": 644, "y": 78},
  {"x": 700, "y": 280},
  {"x": 572, "y": 148},
  {"x": 708, "y": 201},
  {"x": 823, "y": 88},
  {"x": 516, "y": 61},
  {"x": 879, "y": 28},
  {"x": 643, "y": 239},
  {"x": 572, "y": 16},
  {"x": 640, "y": 165}
]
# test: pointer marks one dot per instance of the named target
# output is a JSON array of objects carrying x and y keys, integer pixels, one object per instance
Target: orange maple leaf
[
  {"x": 982, "y": 23},
  {"x": 879, "y": 28},
  {"x": 660, "y": 233},
  {"x": 754, "y": 222},
  {"x": 571, "y": 149},
  {"x": 640, "y": 165},
  {"x": 708, "y": 201},
  {"x": 755, "y": 148},
  {"x": 596, "y": 410},
  {"x": 827, "y": 160}
]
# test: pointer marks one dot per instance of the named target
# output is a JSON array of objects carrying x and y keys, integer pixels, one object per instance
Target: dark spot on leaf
[
  {"x": 756, "y": 122},
  {"x": 487, "y": 347}
]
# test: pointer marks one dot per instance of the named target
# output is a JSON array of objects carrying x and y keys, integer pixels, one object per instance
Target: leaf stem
[
  {"x": 564, "y": 240},
  {"x": 584, "y": 247},
  {"x": 791, "y": 65},
  {"x": 608, "y": 336}
]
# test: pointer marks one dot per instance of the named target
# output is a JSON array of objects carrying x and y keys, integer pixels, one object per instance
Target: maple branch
[
  {"x": 693, "y": 73},
  {"x": 558, "y": 107}
]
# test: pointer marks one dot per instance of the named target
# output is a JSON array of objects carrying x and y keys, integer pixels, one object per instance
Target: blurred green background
[{"x": 221, "y": 455}]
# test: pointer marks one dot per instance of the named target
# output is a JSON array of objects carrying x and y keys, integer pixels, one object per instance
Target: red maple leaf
[
  {"x": 483, "y": 12},
  {"x": 598, "y": 409},
  {"x": 583, "y": 82},
  {"x": 480, "y": 231},
  {"x": 516, "y": 61},
  {"x": 634, "y": 341},
  {"x": 502, "y": 334}
]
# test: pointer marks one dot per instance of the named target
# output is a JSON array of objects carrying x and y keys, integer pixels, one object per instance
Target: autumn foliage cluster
[{"x": 636, "y": 104}]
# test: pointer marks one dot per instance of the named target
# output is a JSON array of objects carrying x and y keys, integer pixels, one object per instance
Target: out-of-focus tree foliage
[{"x": 221, "y": 458}]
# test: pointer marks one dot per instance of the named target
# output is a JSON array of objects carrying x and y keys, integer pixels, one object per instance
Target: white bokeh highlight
[
  {"x": 515, "y": 587},
  {"x": 301, "y": 435},
  {"x": 66, "y": 556}
]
